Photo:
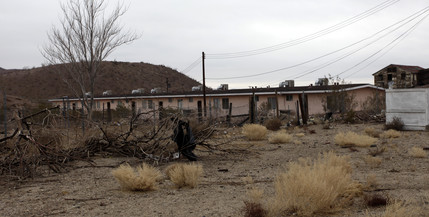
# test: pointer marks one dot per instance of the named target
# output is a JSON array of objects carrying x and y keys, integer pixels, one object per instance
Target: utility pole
[{"x": 204, "y": 86}]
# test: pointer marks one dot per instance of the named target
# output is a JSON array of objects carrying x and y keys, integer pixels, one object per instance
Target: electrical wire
[
  {"x": 395, "y": 42},
  {"x": 299, "y": 75},
  {"x": 350, "y": 53},
  {"x": 191, "y": 66},
  {"x": 405, "y": 20},
  {"x": 315, "y": 35}
]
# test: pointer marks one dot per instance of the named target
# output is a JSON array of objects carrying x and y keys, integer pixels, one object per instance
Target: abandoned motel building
[{"x": 283, "y": 98}]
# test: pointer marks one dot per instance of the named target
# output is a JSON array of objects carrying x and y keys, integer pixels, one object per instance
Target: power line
[
  {"x": 315, "y": 35},
  {"x": 406, "y": 20},
  {"x": 191, "y": 66},
  {"x": 397, "y": 40},
  {"x": 359, "y": 49},
  {"x": 352, "y": 52}
]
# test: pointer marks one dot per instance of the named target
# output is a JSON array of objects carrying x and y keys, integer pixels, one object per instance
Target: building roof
[
  {"x": 412, "y": 69},
  {"x": 241, "y": 92}
]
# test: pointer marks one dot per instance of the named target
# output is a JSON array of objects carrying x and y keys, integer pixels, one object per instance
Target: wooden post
[
  {"x": 297, "y": 113},
  {"x": 252, "y": 107},
  {"x": 83, "y": 120},
  {"x": 5, "y": 113},
  {"x": 302, "y": 105},
  {"x": 204, "y": 85},
  {"x": 102, "y": 118},
  {"x": 229, "y": 114},
  {"x": 277, "y": 106}
]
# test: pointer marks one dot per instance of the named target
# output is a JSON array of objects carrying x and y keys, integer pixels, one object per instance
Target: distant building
[
  {"x": 397, "y": 76},
  {"x": 423, "y": 78},
  {"x": 283, "y": 99}
]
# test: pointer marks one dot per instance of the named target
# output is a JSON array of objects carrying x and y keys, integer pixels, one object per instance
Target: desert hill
[{"x": 120, "y": 77}]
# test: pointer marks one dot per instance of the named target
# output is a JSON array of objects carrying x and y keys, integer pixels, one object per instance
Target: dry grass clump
[
  {"x": 185, "y": 175},
  {"x": 390, "y": 134},
  {"x": 371, "y": 181},
  {"x": 371, "y": 131},
  {"x": 300, "y": 134},
  {"x": 280, "y": 137},
  {"x": 273, "y": 124},
  {"x": 297, "y": 142},
  {"x": 253, "y": 206},
  {"x": 144, "y": 178},
  {"x": 373, "y": 162},
  {"x": 254, "y": 132},
  {"x": 375, "y": 200},
  {"x": 396, "y": 124},
  {"x": 247, "y": 180},
  {"x": 399, "y": 209},
  {"x": 353, "y": 139},
  {"x": 418, "y": 152},
  {"x": 309, "y": 187}
]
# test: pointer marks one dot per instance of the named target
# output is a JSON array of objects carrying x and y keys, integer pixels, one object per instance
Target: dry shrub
[
  {"x": 144, "y": 179},
  {"x": 377, "y": 151},
  {"x": 297, "y": 142},
  {"x": 254, "y": 132},
  {"x": 254, "y": 195},
  {"x": 185, "y": 175},
  {"x": 375, "y": 200},
  {"x": 418, "y": 152},
  {"x": 273, "y": 124},
  {"x": 253, "y": 210},
  {"x": 399, "y": 209},
  {"x": 390, "y": 134},
  {"x": 280, "y": 137},
  {"x": 395, "y": 124},
  {"x": 371, "y": 181},
  {"x": 353, "y": 139},
  {"x": 253, "y": 206},
  {"x": 308, "y": 187},
  {"x": 371, "y": 131},
  {"x": 300, "y": 134},
  {"x": 373, "y": 162},
  {"x": 171, "y": 167},
  {"x": 247, "y": 179}
]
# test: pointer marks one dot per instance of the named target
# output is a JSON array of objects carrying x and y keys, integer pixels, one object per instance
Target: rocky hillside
[{"x": 120, "y": 77}]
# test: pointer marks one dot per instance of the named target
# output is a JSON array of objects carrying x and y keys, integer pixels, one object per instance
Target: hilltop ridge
[{"x": 45, "y": 82}]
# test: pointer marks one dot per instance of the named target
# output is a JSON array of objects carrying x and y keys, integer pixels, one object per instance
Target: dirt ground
[{"x": 93, "y": 191}]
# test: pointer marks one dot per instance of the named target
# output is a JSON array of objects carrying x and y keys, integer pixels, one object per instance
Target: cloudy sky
[{"x": 246, "y": 42}]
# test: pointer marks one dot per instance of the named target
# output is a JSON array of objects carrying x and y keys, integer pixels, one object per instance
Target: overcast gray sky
[{"x": 175, "y": 33}]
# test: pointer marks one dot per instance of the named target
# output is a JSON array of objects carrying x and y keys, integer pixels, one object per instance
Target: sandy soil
[{"x": 92, "y": 191}]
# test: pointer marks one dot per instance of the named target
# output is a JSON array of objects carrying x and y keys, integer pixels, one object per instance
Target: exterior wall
[
  {"x": 215, "y": 103},
  {"x": 411, "y": 105}
]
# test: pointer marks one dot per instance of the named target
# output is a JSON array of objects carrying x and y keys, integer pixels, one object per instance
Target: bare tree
[{"x": 87, "y": 36}]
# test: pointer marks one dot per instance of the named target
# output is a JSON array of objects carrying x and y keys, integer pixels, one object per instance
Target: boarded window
[
  {"x": 180, "y": 103},
  {"x": 150, "y": 104},
  {"x": 191, "y": 99},
  {"x": 225, "y": 103},
  {"x": 216, "y": 103},
  {"x": 272, "y": 102},
  {"x": 144, "y": 104}
]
